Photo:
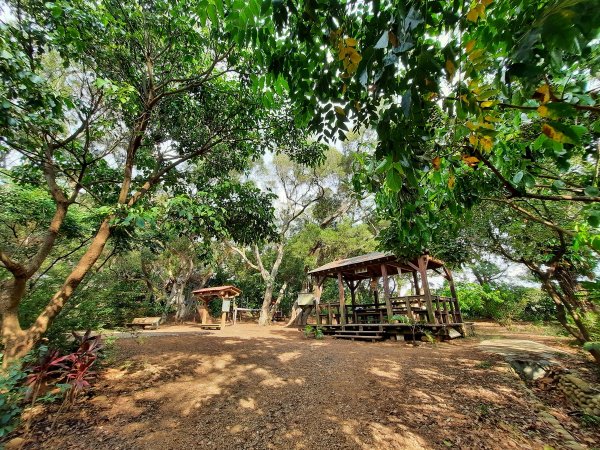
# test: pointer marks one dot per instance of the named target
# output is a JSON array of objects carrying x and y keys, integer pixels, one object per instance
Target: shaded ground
[{"x": 246, "y": 387}]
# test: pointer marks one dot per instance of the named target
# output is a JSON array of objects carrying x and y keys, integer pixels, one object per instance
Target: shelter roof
[
  {"x": 218, "y": 291},
  {"x": 369, "y": 265}
]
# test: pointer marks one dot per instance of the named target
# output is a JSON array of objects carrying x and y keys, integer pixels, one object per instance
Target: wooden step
[
  {"x": 372, "y": 338},
  {"x": 365, "y": 333}
]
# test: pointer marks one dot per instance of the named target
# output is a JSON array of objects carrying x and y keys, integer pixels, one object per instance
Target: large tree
[
  {"x": 550, "y": 256},
  {"x": 105, "y": 101}
]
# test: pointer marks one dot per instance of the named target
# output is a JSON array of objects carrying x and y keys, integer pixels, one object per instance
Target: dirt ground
[{"x": 247, "y": 387}]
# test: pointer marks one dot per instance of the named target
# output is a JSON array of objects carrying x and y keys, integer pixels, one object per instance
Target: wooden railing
[{"x": 445, "y": 310}]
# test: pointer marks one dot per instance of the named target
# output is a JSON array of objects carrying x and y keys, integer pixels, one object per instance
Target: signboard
[
  {"x": 226, "y": 306},
  {"x": 361, "y": 270},
  {"x": 305, "y": 299}
]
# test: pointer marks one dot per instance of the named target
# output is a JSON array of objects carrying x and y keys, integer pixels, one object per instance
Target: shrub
[
  {"x": 503, "y": 303},
  {"x": 12, "y": 396}
]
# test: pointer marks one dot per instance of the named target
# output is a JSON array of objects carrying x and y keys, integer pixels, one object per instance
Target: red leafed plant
[
  {"x": 71, "y": 370},
  {"x": 79, "y": 374}
]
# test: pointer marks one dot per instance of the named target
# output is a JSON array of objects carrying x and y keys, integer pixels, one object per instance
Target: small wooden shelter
[
  {"x": 205, "y": 295},
  {"x": 433, "y": 312}
]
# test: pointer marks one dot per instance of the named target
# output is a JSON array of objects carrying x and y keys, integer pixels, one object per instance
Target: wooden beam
[
  {"x": 426, "y": 292},
  {"x": 412, "y": 265},
  {"x": 342, "y": 299},
  {"x": 386, "y": 291},
  {"x": 438, "y": 272}
]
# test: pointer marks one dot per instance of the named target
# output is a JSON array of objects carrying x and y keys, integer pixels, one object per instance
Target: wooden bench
[
  {"x": 210, "y": 326},
  {"x": 144, "y": 322}
]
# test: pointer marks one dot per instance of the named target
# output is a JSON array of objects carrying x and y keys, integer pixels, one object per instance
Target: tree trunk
[
  {"x": 178, "y": 298},
  {"x": 566, "y": 305},
  {"x": 18, "y": 342},
  {"x": 14, "y": 338},
  {"x": 265, "y": 311},
  {"x": 296, "y": 313}
]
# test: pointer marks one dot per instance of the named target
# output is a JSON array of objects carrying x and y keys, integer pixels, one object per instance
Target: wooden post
[
  {"x": 386, "y": 292},
  {"x": 342, "y": 299},
  {"x": 317, "y": 291},
  {"x": 234, "y": 317},
  {"x": 457, "y": 316},
  {"x": 423, "y": 272},
  {"x": 438, "y": 310},
  {"x": 409, "y": 312},
  {"x": 353, "y": 287},
  {"x": 446, "y": 315}
]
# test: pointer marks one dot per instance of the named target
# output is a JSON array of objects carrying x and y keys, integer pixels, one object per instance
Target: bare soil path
[{"x": 247, "y": 387}]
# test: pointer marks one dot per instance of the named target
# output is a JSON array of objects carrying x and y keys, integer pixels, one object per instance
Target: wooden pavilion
[
  {"x": 204, "y": 296},
  {"x": 421, "y": 310}
]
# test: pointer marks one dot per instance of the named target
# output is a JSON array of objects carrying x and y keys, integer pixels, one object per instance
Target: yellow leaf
[
  {"x": 492, "y": 118},
  {"x": 344, "y": 51},
  {"x": 450, "y": 68},
  {"x": 487, "y": 143},
  {"x": 554, "y": 134},
  {"x": 470, "y": 45},
  {"x": 451, "y": 181},
  {"x": 476, "y": 54},
  {"x": 543, "y": 111},
  {"x": 473, "y": 15},
  {"x": 437, "y": 162},
  {"x": 344, "y": 88},
  {"x": 487, "y": 104},
  {"x": 471, "y": 126},
  {"x": 355, "y": 57},
  {"x": 470, "y": 161},
  {"x": 542, "y": 94},
  {"x": 473, "y": 140},
  {"x": 481, "y": 10},
  {"x": 340, "y": 110},
  {"x": 350, "y": 42},
  {"x": 351, "y": 69}
]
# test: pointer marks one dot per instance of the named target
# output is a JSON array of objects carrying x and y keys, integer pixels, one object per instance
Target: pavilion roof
[
  {"x": 369, "y": 265},
  {"x": 218, "y": 291}
]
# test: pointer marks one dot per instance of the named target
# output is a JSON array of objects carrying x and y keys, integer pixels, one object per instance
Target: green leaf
[
  {"x": 591, "y": 191},
  {"x": 394, "y": 180},
  {"x": 518, "y": 177}
]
